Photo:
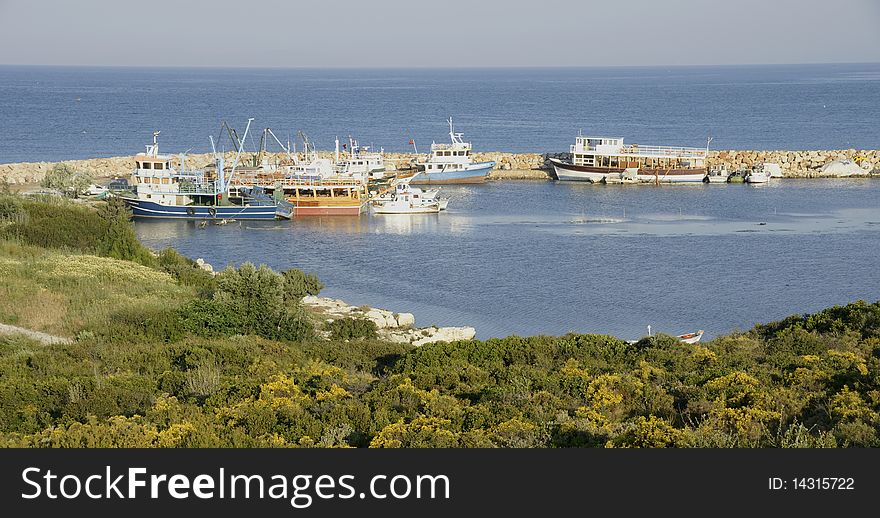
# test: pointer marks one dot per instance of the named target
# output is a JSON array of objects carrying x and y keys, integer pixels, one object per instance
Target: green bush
[
  {"x": 66, "y": 225},
  {"x": 298, "y": 284},
  {"x": 67, "y": 180},
  {"x": 349, "y": 328},
  {"x": 187, "y": 272}
]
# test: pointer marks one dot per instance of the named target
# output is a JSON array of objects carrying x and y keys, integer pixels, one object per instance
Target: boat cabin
[{"x": 610, "y": 152}]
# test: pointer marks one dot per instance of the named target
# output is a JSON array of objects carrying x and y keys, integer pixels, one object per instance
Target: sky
[{"x": 439, "y": 33}]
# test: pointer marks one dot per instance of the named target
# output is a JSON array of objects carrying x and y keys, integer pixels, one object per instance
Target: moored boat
[
  {"x": 409, "y": 200},
  {"x": 452, "y": 163},
  {"x": 161, "y": 190},
  {"x": 717, "y": 174},
  {"x": 691, "y": 338},
  {"x": 607, "y": 160},
  {"x": 312, "y": 185}
]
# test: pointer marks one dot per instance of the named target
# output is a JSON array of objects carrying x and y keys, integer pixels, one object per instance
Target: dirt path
[{"x": 43, "y": 338}]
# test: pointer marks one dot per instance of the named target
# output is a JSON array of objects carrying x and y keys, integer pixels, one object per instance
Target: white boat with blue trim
[
  {"x": 452, "y": 163},
  {"x": 163, "y": 191}
]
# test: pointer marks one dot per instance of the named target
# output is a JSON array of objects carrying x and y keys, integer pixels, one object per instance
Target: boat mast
[{"x": 224, "y": 182}]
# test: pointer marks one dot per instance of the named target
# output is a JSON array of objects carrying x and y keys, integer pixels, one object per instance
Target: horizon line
[{"x": 421, "y": 67}]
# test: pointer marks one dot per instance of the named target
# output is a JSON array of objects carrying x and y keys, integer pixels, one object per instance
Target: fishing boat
[
  {"x": 452, "y": 163},
  {"x": 161, "y": 190},
  {"x": 608, "y": 159},
  {"x": 310, "y": 184},
  {"x": 359, "y": 161},
  {"x": 407, "y": 200}
]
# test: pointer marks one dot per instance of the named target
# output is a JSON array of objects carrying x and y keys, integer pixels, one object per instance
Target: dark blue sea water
[
  {"x": 551, "y": 257},
  {"x": 54, "y": 113}
]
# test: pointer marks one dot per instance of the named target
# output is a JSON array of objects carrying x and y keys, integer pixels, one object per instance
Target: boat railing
[
  {"x": 463, "y": 146},
  {"x": 652, "y": 151},
  {"x": 291, "y": 181}
]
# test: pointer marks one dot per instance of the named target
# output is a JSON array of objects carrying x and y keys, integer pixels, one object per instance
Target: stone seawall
[{"x": 520, "y": 166}]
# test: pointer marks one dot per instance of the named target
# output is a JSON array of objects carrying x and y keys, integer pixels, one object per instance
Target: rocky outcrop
[{"x": 394, "y": 327}]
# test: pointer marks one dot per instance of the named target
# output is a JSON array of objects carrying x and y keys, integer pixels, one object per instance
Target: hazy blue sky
[{"x": 439, "y": 33}]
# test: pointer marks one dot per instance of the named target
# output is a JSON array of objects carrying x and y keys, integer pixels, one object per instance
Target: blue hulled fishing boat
[
  {"x": 162, "y": 191},
  {"x": 452, "y": 163}
]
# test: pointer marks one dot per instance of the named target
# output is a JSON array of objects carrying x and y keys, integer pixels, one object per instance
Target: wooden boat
[{"x": 600, "y": 159}]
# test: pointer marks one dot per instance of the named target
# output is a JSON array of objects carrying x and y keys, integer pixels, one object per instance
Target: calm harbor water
[
  {"x": 56, "y": 113},
  {"x": 550, "y": 257}
]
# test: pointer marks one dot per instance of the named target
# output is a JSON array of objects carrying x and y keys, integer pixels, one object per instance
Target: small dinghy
[{"x": 691, "y": 338}]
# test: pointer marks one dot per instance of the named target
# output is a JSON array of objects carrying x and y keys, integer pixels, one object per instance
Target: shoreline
[{"x": 509, "y": 166}]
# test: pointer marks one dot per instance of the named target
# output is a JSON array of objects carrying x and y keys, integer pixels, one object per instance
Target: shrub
[
  {"x": 187, "y": 272},
  {"x": 298, "y": 284},
  {"x": 351, "y": 328},
  {"x": 67, "y": 180}
]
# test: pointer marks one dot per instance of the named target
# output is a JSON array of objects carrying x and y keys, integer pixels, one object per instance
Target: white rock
[{"x": 406, "y": 320}]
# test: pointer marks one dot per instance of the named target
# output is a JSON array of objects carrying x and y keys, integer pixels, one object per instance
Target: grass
[{"x": 63, "y": 293}]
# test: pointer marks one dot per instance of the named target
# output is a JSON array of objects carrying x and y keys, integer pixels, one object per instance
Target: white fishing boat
[
  {"x": 452, "y": 163},
  {"x": 359, "y": 161},
  {"x": 407, "y": 200}
]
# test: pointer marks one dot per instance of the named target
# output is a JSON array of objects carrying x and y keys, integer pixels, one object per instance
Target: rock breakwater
[{"x": 508, "y": 166}]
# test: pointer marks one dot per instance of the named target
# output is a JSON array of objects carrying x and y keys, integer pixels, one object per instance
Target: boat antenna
[
  {"x": 223, "y": 180},
  {"x": 154, "y": 149},
  {"x": 708, "y": 140}
]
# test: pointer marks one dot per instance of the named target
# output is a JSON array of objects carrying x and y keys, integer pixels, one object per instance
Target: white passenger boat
[{"x": 607, "y": 160}]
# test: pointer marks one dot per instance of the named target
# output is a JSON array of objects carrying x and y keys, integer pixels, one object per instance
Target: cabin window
[
  {"x": 166, "y": 181},
  {"x": 158, "y": 166},
  {"x": 148, "y": 165}
]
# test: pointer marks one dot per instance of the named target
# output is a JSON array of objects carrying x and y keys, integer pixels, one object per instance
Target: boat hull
[
  {"x": 406, "y": 210},
  {"x": 569, "y": 172},
  {"x": 328, "y": 211},
  {"x": 149, "y": 209},
  {"x": 475, "y": 173}
]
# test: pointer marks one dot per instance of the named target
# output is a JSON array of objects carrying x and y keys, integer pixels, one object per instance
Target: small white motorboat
[
  {"x": 407, "y": 200},
  {"x": 758, "y": 174},
  {"x": 717, "y": 174}
]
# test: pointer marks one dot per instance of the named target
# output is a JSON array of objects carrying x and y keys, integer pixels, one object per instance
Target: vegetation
[
  {"x": 66, "y": 180},
  {"x": 167, "y": 355},
  {"x": 351, "y": 328}
]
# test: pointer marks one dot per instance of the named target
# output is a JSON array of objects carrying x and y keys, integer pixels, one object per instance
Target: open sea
[{"x": 516, "y": 257}]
